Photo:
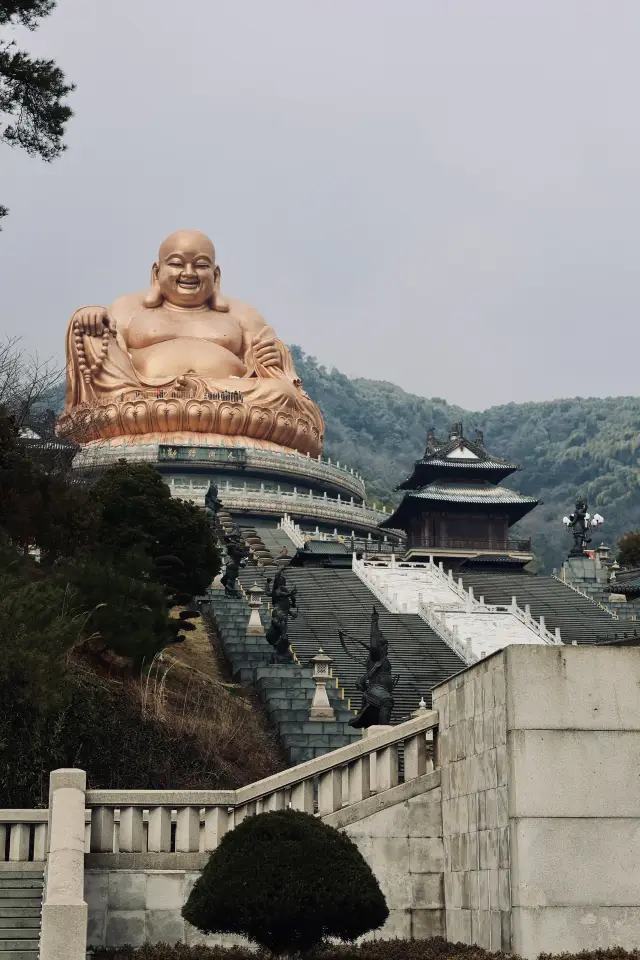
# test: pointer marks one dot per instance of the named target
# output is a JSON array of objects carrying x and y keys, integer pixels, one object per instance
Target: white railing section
[
  {"x": 437, "y": 621},
  {"x": 23, "y": 836},
  {"x": 434, "y": 613},
  {"x": 320, "y": 508},
  {"x": 292, "y": 530},
  {"x": 280, "y": 461},
  {"x": 194, "y": 821}
]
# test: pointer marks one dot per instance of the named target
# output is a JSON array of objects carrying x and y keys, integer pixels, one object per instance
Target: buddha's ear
[
  {"x": 154, "y": 298},
  {"x": 217, "y": 300}
]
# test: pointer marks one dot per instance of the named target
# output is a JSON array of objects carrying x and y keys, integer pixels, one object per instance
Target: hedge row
[{"x": 435, "y": 949}]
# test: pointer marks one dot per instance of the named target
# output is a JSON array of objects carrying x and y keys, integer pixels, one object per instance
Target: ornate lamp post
[
  {"x": 581, "y": 523},
  {"x": 321, "y": 709},
  {"x": 254, "y": 627}
]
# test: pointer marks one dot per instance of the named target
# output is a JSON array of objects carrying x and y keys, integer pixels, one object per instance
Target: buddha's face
[{"x": 186, "y": 269}]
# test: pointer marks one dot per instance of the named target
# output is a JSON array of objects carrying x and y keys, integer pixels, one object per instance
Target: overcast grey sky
[{"x": 441, "y": 193}]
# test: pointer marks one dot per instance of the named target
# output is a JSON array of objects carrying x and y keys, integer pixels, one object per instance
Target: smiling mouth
[{"x": 189, "y": 284}]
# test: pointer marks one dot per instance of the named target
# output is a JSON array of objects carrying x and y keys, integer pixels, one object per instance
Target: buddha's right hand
[{"x": 92, "y": 321}]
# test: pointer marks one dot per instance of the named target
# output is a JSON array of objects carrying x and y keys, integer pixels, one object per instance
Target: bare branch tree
[{"x": 25, "y": 382}]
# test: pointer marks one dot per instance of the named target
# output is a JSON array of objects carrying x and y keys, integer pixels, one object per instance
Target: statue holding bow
[{"x": 376, "y": 684}]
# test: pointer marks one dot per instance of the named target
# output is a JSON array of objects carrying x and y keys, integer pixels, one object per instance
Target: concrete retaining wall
[{"x": 541, "y": 808}]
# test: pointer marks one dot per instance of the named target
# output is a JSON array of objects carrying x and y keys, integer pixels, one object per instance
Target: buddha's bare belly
[{"x": 174, "y": 358}]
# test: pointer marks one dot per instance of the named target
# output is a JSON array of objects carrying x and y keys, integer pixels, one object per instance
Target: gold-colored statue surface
[{"x": 181, "y": 359}]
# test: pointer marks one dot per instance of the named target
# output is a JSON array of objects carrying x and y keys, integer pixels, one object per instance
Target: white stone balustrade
[
  {"x": 296, "y": 464},
  {"x": 292, "y": 530},
  {"x": 238, "y": 498},
  {"x": 472, "y": 628},
  {"x": 194, "y": 821},
  {"x": 23, "y": 836}
]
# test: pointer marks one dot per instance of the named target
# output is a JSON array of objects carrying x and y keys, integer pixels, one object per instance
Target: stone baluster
[
  {"x": 216, "y": 824},
  {"x": 159, "y": 838},
  {"x": 131, "y": 838},
  {"x": 415, "y": 756},
  {"x": 359, "y": 779},
  {"x": 243, "y": 811},
  {"x": 274, "y": 801},
  {"x": 19, "y": 843},
  {"x": 329, "y": 792},
  {"x": 102, "y": 830},
  {"x": 302, "y": 796},
  {"x": 40, "y": 842},
  {"x": 188, "y": 830},
  {"x": 386, "y": 763}
]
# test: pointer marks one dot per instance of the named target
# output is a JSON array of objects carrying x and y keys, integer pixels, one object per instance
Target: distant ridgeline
[{"x": 564, "y": 447}]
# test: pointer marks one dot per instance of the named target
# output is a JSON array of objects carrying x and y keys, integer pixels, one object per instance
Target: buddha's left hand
[{"x": 265, "y": 350}]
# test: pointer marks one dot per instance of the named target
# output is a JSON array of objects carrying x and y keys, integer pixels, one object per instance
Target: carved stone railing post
[{"x": 64, "y": 911}]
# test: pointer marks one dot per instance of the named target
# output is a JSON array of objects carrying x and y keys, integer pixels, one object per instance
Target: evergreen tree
[
  {"x": 33, "y": 111},
  {"x": 287, "y": 881},
  {"x": 629, "y": 549},
  {"x": 137, "y": 512}
]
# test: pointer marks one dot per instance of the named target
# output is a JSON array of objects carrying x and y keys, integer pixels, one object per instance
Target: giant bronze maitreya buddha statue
[{"x": 180, "y": 361}]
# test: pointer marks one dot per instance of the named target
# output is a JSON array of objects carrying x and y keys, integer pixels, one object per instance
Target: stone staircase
[
  {"x": 330, "y": 600},
  {"x": 20, "y": 914},
  {"x": 578, "y": 617},
  {"x": 285, "y": 690}
]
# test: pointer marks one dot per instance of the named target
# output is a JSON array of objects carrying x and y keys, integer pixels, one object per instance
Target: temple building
[{"x": 454, "y": 508}]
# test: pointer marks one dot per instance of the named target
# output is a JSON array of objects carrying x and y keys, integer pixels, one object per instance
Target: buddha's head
[{"x": 185, "y": 273}]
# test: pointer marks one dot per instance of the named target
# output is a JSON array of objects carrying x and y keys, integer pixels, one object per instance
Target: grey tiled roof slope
[{"x": 465, "y": 493}]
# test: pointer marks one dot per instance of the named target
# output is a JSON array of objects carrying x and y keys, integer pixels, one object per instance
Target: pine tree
[{"x": 33, "y": 111}]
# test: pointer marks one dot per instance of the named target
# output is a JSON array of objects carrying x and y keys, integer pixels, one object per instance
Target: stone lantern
[
  {"x": 321, "y": 710},
  {"x": 254, "y": 627}
]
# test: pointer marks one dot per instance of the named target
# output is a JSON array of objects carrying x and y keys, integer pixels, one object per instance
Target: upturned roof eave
[
  {"x": 424, "y": 471},
  {"x": 515, "y": 509}
]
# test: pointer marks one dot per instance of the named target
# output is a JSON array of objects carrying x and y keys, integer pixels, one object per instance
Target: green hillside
[{"x": 563, "y": 447}]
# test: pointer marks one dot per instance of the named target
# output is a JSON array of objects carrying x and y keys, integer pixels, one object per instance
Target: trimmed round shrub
[{"x": 287, "y": 881}]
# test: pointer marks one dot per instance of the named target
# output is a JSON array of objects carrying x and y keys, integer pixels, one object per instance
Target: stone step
[
  {"x": 272, "y": 698},
  {"x": 7, "y": 873},
  {"x": 17, "y": 933},
  {"x": 18, "y": 923},
  {"x": 11, "y": 954},
  {"x": 246, "y": 650},
  {"x": 313, "y": 728},
  {"x": 15, "y": 913},
  {"x": 12, "y": 903},
  {"x": 284, "y": 674},
  {"x": 19, "y": 949},
  {"x": 26, "y": 883},
  {"x": 20, "y": 893},
  {"x": 321, "y": 740}
]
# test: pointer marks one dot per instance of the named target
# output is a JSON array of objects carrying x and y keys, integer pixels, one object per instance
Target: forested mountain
[{"x": 564, "y": 447}]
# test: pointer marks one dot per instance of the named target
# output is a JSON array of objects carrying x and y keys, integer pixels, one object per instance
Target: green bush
[
  {"x": 435, "y": 949},
  {"x": 287, "y": 881}
]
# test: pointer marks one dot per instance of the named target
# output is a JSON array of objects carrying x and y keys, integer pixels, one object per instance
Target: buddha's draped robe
[{"x": 271, "y": 392}]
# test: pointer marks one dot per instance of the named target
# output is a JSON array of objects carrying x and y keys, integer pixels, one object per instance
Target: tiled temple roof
[{"x": 466, "y": 493}]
